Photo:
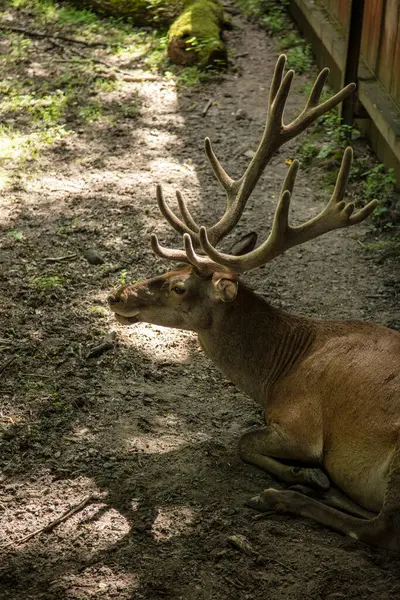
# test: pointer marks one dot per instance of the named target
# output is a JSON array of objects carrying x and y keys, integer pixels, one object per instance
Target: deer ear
[
  {"x": 226, "y": 288},
  {"x": 244, "y": 245}
]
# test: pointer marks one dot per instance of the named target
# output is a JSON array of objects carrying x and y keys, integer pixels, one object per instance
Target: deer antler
[
  {"x": 276, "y": 133},
  {"x": 335, "y": 215}
]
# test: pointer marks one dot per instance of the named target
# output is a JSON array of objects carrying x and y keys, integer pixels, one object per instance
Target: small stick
[
  {"x": 7, "y": 419},
  {"x": 242, "y": 55},
  {"x": 207, "y": 107},
  {"x": 242, "y": 543},
  {"x": 52, "y": 524},
  {"x": 7, "y": 363},
  {"x": 106, "y": 344},
  {"x": 234, "y": 583},
  {"x": 38, "y": 375},
  {"x": 59, "y": 258}
]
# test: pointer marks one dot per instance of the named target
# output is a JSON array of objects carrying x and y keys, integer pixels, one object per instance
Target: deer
[{"x": 330, "y": 389}]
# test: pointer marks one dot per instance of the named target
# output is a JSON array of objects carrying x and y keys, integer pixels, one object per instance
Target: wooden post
[{"x": 350, "y": 73}]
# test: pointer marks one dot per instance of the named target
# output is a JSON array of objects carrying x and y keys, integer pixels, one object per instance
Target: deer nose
[{"x": 112, "y": 300}]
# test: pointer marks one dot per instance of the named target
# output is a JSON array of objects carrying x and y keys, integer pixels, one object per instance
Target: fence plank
[
  {"x": 372, "y": 32},
  {"x": 388, "y": 44},
  {"x": 395, "y": 85}
]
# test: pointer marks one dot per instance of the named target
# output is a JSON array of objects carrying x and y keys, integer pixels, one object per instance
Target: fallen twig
[
  {"x": 7, "y": 364},
  {"x": 50, "y": 36},
  {"x": 241, "y": 55},
  {"x": 207, "y": 107},
  {"x": 52, "y": 524},
  {"x": 240, "y": 542},
  {"x": 60, "y": 258},
  {"x": 107, "y": 344},
  {"x": 236, "y": 584},
  {"x": 7, "y": 419}
]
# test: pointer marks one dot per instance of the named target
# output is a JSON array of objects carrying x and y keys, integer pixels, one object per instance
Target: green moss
[{"x": 195, "y": 36}]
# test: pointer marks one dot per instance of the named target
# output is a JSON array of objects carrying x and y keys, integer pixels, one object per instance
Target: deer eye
[{"x": 179, "y": 289}]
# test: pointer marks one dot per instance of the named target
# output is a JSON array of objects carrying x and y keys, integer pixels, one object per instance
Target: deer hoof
[
  {"x": 316, "y": 478},
  {"x": 268, "y": 501}
]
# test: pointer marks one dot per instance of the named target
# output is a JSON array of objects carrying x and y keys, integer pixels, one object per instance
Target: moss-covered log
[
  {"x": 141, "y": 12},
  {"x": 195, "y": 37}
]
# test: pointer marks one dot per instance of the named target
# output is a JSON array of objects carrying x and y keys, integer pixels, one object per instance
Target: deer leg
[
  {"x": 258, "y": 447},
  {"x": 335, "y": 498},
  {"x": 382, "y": 531}
]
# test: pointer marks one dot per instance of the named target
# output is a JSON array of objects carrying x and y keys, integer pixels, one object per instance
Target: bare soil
[{"x": 150, "y": 427}]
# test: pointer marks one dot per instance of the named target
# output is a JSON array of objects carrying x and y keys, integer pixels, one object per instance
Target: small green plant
[
  {"x": 122, "y": 277},
  {"x": 20, "y": 47},
  {"x": 46, "y": 282},
  {"x": 98, "y": 311},
  {"x": 384, "y": 245},
  {"x": 274, "y": 21},
  {"x": 189, "y": 76},
  {"x": 290, "y": 41},
  {"x": 308, "y": 151},
  {"x": 272, "y": 14},
  {"x": 66, "y": 229},
  {"x": 16, "y": 234},
  {"x": 379, "y": 184},
  {"x": 300, "y": 59},
  {"x": 91, "y": 112},
  {"x": 156, "y": 55},
  {"x": 129, "y": 111}
]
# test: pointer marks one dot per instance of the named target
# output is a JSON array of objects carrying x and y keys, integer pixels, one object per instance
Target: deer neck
[{"x": 255, "y": 344}]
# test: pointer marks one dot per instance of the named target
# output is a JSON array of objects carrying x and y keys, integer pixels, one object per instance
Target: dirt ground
[{"x": 150, "y": 429}]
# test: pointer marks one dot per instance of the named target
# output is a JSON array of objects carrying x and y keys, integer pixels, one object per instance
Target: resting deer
[{"x": 330, "y": 389}]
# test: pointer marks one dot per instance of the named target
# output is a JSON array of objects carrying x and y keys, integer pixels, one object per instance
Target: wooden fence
[{"x": 380, "y": 42}]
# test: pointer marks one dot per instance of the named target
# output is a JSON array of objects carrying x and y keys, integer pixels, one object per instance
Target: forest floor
[{"x": 147, "y": 433}]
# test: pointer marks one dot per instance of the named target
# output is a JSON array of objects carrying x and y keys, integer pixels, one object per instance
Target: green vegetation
[
  {"x": 71, "y": 86},
  {"x": 43, "y": 283},
  {"x": 392, "y": 245},
  {"x": 98, "y": 311},
  {"x": 122, "y": 277},
  {"x": 300, "y": 58},
  {"x": 273, "y": 15},
  {"x": 275, "y": 20},
  {"x": 324, "y": 148},
  {"x": 139, "y": 12},
  {"x": 379, "y": 185},
  {"x": 17, "y": 235}
]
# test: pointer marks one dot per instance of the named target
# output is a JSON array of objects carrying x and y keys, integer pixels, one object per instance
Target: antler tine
[
  {"x": 335, "y": 215},
  {"x": 186, "y": 216},
  {"x": 168, "y": 253},
  {"x": 202, "y": 264},
  {"x": 290, "y": 178},
  {"x": 219, "y": 172},
  {"x": 167, "y": 213},
  {"x": 277, "y": 78},
  {"x": 278, "y": 105},
  {"x": 317, "y": 88}
]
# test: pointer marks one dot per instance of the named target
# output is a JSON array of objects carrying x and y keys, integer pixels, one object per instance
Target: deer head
[{"x": 193, "y": 295}]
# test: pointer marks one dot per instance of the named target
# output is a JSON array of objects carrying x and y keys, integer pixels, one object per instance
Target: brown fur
[{"x": 330, "y": 391}]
